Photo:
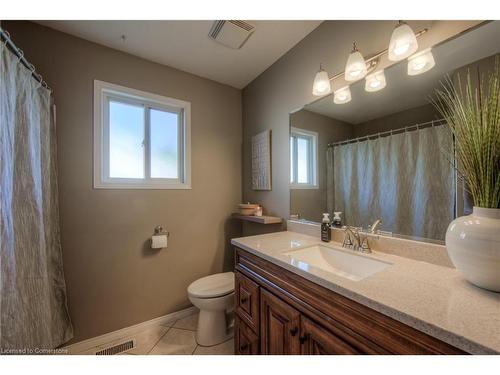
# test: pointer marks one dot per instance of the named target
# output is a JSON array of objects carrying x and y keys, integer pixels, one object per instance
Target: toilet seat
[{"x": 212, "y": 286}]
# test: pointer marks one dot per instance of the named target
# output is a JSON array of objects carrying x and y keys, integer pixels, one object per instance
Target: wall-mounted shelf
[{"x": 259, "y": 219}]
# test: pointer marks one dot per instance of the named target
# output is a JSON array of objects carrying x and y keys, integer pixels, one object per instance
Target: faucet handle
[
  {"x": 365, "y": 246},
  {"x": 347, "y": 239}
]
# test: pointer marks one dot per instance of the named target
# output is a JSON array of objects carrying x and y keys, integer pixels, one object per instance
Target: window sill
[
  {"x": 142, "y": 186},
  {"x": 304, "y": 187}
]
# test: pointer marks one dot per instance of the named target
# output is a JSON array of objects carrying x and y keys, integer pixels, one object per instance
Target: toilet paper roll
[{"x": 159, "y": 241}]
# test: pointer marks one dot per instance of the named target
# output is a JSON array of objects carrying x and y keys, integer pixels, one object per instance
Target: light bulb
[
  {"x": 375, "y": 81},
  {"x": 355, "y": 68},
  {"x": 418, "y": 65},
  {"x": 355, "y": 73},
  {"x": 342, "y": 95},
  {"x": 401, "y": 49},
  {"x": 321, "y": 85},
  {"x": 421, "y": 62},
  {"x": 403, "y": 42}
]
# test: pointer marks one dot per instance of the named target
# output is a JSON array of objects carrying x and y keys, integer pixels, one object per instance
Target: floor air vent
[
  {"x": 232, "y": 34},
  {"x": 119, "y": 348}
]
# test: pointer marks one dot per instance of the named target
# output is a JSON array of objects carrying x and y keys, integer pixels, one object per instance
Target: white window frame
[
  {"x": 103, "y": 93},
  {"x": 313, "y": 159}
]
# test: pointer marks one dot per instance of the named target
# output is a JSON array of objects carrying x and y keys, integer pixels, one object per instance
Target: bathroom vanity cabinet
[{"x": 279, "y": 312}]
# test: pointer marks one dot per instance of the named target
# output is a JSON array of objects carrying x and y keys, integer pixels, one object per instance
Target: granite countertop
[{"x": 433, "y": 299}]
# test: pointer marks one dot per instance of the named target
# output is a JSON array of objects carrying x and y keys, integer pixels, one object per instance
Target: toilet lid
[{"x": 211, "y": 286}]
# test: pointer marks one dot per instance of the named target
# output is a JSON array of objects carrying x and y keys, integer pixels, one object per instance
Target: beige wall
[
  {"x": 397, "y": 120},
  {"x": 113, "y": 279},
  {"x": 311, "y": 203},
  {"x": 286, "y": 86},
  {"x": 481, "y": 68}
]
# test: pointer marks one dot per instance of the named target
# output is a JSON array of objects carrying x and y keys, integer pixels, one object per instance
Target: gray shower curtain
[
  {"x": 405, "y": 179},
  {"x": 33, "y": 307}
]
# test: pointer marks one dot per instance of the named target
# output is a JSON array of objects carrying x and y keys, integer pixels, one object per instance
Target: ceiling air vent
[
  {"x": 232, "y": 34},
  {"x": 119, "y": 348}
]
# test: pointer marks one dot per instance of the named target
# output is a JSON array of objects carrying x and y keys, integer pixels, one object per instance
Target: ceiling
[
  {"x": 403, "y": 91},
  {"x": 185, "y": 45}
]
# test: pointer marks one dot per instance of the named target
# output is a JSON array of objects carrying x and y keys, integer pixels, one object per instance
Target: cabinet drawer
[
  {"x": 247, "y": 301},
  {"x": 245, "y": 340},
  {"x": 315, "y": 339}
]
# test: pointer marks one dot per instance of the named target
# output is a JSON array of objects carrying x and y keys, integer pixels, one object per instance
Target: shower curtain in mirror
[
  {"x": 405, "y": 179},
  {"x": 33, "y": 307}
]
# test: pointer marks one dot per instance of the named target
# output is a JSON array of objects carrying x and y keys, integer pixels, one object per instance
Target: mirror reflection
[{"x": 384, "y": 154}]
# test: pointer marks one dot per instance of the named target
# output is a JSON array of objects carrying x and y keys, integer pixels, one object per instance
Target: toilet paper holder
[{"x": 159, "y": 231}]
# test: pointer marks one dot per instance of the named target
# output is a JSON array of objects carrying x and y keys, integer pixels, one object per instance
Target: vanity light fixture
[
  {"x": 375, "y": 81},
  {"x": 321, "y": 85},
  {"x": 355, "y": 68},
  {"x": 342, "y": 95},
  {"x": 420, "y": 62},
  {"x": 403, "y": 42}
]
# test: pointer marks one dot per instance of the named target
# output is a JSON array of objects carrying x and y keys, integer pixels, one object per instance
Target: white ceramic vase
[{"x": 473, "y": 244}]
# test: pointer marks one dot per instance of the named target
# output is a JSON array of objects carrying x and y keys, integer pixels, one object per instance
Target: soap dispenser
[
  {"x": 337, "y": 220},
  {"x": 326, "y": 234}
]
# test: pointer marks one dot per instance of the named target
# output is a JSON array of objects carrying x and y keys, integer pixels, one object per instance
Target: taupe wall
[
  {"x": 397, "y": 120},
  {"x": 311, "y": 203},
  {"x": 113, "y": 279},
  {"x": 476, "y": 70},
  {"x": 286, "y": 87}
]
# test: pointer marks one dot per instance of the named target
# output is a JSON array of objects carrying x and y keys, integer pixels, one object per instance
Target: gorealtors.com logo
[{"x": 28, "y": 351}]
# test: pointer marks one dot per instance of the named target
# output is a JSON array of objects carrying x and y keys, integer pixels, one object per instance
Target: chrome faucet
[
  {"x": 374, "y": 226},
  {"x": 353, "y": 239}
]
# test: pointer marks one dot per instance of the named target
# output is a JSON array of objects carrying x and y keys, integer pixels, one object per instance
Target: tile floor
[{"x": 177, "y": 337}]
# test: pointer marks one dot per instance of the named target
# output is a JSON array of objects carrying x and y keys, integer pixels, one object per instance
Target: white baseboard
[{"x": 86, "y": 345}]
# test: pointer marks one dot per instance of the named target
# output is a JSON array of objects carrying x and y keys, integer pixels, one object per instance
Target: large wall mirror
[{"x": 387, "y": 154}]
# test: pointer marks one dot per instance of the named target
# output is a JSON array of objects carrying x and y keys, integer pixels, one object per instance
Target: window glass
[
  {"x": 126, "y": 140},
  {"x": 292, "y": 159},
  {"x": 302, "y": 160},
  {"x": 164, "y": 137}
]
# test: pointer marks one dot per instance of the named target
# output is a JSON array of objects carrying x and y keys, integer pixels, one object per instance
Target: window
[
  {"x": 141, "y": 140},
  {"x": 303, "y": 159}
]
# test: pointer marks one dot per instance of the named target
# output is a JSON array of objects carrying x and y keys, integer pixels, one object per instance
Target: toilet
[{"x": 214, "y": 296}]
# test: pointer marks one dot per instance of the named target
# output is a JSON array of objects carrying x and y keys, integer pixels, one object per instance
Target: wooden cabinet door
[
  {"x": 247, "y": 301},
  {"x": 280, "y": 323},
  {"x": 245, "y": 340},
  {"x": 315, "y": 339}
]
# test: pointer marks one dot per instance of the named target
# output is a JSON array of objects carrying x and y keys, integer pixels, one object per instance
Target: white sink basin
[{"x": 344, "y": 263}]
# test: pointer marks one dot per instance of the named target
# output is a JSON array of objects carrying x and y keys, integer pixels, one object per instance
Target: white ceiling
[{"x": 185, "y": 45}]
